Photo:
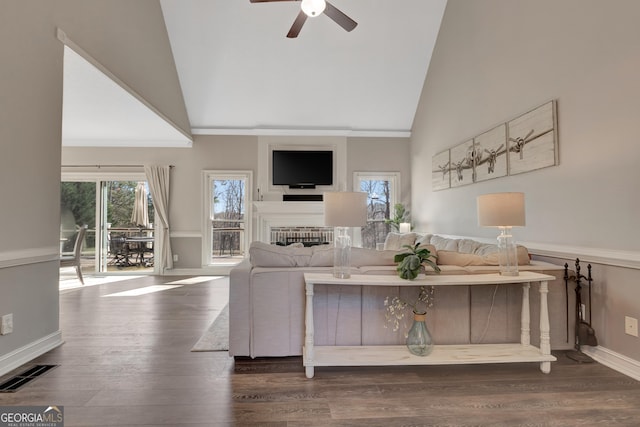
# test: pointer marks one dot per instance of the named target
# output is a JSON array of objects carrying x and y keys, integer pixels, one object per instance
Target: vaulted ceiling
[{"x": 240, "y": 74}]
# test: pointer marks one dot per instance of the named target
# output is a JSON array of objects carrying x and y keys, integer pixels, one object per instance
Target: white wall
[{"x": 496, "y": 59}]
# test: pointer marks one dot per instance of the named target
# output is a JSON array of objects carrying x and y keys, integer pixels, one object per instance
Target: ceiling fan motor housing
[{"x": 313, "y": 7}]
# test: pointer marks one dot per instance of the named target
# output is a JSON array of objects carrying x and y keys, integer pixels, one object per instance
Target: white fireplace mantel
[{"x": 286, "y": 214}]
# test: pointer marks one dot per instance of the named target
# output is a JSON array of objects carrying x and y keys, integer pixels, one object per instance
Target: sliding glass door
[
  {"x": 78, "y": 208},
  {"x": 127, "y": 227},
  {"x": 119, "y": 213}
]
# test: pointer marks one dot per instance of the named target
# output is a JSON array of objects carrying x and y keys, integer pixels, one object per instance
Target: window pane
[
  {"x": 129, "y": 239},
  {"x": 228, "y": 213},
  {"x": 378, "y": 209},
  {"x": 77, "y": 208}
]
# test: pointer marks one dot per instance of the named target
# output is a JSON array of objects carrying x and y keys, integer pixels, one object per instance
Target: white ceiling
[
  {"x": 240, "y": 74},
  {"x": 98, "y": 112}
]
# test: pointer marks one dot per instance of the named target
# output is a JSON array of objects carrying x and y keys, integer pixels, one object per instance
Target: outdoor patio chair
[
  {"x": 119, "y": 250},
  {"x": 73, "y": 260}
]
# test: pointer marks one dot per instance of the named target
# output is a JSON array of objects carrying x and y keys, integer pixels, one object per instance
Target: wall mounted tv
[{"x": 302, "y": 168}]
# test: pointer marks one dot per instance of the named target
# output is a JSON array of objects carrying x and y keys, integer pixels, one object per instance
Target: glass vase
[{"x": 419, "y": 341}]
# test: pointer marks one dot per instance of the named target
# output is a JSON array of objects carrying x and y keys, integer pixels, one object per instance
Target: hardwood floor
[{"x": 127, "y": 362}]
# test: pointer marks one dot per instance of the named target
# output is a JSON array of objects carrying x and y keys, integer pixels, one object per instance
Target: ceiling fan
[{"x": 313, "y": 8}]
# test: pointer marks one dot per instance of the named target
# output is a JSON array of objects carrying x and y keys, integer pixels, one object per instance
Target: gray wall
[
  {"x": 496, "y": 59},
  {"x": 228, "y": 153},
  {"x": 382, "y": 155},
  {"x": 130, "y": 39}
]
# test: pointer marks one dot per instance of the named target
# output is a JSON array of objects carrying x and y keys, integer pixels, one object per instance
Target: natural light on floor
[
  {"x": 72, "y": 283},
  {"x": 143, "y": 291},
  {"x": 193, "y": 280}
]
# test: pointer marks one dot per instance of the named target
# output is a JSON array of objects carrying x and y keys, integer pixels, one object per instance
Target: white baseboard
[
  {"x": 613, "y": 360},
  {"x": 25, "y": 354},
  {"x": 204, "y": 271}
]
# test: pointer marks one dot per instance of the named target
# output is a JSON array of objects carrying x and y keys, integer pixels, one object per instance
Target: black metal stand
[{"x": 577, "y": 354}]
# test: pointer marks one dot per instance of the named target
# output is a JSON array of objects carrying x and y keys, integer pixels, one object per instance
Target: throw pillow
[
  {"x": 265, "y": 255},
  {"x": 395, "y": 241}
]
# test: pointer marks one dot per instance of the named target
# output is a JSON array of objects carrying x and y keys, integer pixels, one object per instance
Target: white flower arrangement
[{"x": 396, "y": 308}]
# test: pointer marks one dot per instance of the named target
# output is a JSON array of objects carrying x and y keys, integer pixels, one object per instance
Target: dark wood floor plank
[{"x": 126, "y": 361}]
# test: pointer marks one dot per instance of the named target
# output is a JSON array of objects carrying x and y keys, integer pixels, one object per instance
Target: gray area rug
[{"x": 216, "y": 337}]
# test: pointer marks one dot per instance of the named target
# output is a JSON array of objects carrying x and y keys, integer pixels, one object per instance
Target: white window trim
[
  {"x": 394, "y": 180},
  {"x": 207, "y": 176},
  {"x": 392, "y": 177}
]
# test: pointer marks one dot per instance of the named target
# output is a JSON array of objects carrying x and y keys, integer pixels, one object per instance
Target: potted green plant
[
  {"x": 400, "y": 215},
  {"x": 412, "y": 262}
]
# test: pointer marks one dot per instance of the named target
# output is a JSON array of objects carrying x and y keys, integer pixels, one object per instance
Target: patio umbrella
[{"x": 140, "y": 214}]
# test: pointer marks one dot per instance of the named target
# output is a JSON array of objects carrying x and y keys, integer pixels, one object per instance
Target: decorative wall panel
[
  {"x": 491, "y": 149},
  {"x": 532, "y": 140},
  {"x": 441, "y": 171},
  {"x": 524, "y": 144},
  {"x": 462, "y": 156}
]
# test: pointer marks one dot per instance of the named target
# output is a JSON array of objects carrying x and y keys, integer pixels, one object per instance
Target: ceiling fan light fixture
[{"x": 313, "y": 8}]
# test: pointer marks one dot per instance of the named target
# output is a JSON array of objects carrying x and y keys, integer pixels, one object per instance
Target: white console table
[{"x": 384, "y": 355}]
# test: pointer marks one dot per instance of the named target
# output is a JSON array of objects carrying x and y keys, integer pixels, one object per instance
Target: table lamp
[
  {"x": 503, "y": 210},
  {"x": 342, "y": 210}
]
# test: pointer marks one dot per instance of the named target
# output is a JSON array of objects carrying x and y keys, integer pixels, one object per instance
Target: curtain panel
[{"x": 158, "y": 179}]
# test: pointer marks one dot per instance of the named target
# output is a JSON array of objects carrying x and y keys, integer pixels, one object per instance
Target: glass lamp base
[
  {"x": 508, "y": 256},
  {"x": 342, "y": 253}
]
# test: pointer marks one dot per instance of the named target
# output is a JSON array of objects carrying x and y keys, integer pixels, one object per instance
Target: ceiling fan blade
[
  {"x": 297, "y": 25},
  {"x": 339, "y": 17}
]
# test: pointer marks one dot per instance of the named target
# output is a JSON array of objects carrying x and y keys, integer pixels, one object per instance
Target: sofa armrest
[{"x": 239, "y": 306}]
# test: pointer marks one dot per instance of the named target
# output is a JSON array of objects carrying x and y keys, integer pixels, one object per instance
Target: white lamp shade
[
  {"x": 345, "y": 209},
  {"x": 501, "y": 210},
  {"x": 313, "y": 7}
]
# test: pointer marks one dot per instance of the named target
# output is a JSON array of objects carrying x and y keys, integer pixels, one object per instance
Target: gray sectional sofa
[{"x": 267, "y": 297}]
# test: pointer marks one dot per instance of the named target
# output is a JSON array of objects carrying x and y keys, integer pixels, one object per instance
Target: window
[
  {"x": 116, "y": 240},
  {"x": 226, "y": 216},
  {"x": 383, "y": 192}
]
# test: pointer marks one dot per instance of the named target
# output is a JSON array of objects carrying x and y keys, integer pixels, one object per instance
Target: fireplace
[
  {"x": 308, "y": 236},
  {"x": 288, "y": 222}
]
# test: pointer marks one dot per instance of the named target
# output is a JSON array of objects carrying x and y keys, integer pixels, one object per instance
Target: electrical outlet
[
  {"x": 175, "y": 257},
  {"x": 631, "y": 326},
  {"x": 6, "y": 325}
]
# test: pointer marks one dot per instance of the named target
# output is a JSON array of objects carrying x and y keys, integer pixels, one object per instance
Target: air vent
[{"x": 14, "y": 384}]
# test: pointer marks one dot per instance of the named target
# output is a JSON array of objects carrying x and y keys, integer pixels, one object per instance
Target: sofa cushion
[
  {"x": 442, "y": 243},
  {"x": 485, "y": 255},
  {"x": 395, "y": 241},
  {"x": 265, "y": 255},
  {"x": 322, "y": 256},
  {"x": 362, "y": 256}
]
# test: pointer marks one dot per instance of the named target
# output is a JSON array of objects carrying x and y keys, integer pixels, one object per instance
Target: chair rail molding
[
  {"x": 612, "y": 257},
  {"x": 29, "y": 256},
  {"x": 186, "y": 234}
]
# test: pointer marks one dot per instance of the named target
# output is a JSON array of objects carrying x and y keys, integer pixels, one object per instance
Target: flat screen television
[{"x": 302, "y": 168}]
